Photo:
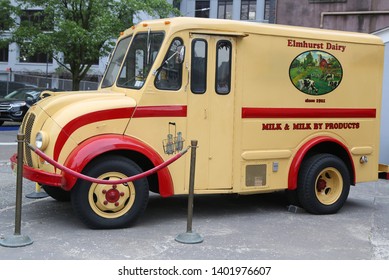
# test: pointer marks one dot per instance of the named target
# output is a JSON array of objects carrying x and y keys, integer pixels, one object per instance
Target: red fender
[
  {"x": 297, "y": 160},
  {"x": 95, "y": 146}
]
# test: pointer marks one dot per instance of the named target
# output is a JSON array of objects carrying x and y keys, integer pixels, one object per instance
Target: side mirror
[{"x": 180, "y": 54}]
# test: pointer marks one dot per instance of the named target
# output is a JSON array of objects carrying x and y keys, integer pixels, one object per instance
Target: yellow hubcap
[
  {"x": 111, "y": 201},
  {"x": 329, "y": 186}
]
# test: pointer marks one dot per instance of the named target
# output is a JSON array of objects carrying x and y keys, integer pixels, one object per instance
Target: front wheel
[
  {"x": 323, "y": 184},
  {"x": 110, "y": 206},
  {"x": 57, "y": 193}
]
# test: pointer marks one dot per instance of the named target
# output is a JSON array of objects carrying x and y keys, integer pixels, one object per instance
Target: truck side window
[
  {"x": 170, "y": 75},
  {"x": 223, "y": 67},
  {"x": 198, "y": 78},
  {"x": 116, "y": 62}
]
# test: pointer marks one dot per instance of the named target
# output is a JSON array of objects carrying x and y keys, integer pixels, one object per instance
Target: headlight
[
  {"x": 16, "y": 107},
  {"x": 41, "y": 140},
  {"x": 18, "y": 104}
]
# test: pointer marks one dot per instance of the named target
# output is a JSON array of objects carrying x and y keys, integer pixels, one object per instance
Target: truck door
[{"x": 211, "y": 109}]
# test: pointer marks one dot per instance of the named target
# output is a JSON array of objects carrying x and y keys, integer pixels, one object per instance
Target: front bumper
[
  {"x": 36, "y": 175},
  {"x": 9, "y": 118}
]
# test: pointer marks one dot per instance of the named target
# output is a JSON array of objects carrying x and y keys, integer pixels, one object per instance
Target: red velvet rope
[{"x": 106, "y": 182}]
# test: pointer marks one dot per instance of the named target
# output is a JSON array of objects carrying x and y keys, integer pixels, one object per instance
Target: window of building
[
  {"x": 24, "y": 57},
  {"x": 198, "y": 78},
  {"x": 327, "y": 1},
  {"x": 224, "y": 9},
  {"x": 36, "y": 58},
  {"x": 4, "y": 54},
  {"x": 37, "y": 18},
  {"x": 248, "y": 9},
  {"x": 202, "y": 9},
  {"x": 267, "y": 10},
  {"x": 5, "y": 21},
  {"x": 177, "y": 4},
  {"x": 223, "y": 67}
]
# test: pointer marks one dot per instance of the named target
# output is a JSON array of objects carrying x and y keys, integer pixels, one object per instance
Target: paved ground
[
  {"x": 7, "y": 142},
  {"x": 233, "y": 227}
]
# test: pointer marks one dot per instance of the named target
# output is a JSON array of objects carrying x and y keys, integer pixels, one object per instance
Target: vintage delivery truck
[{"x": 272, "y": 108}]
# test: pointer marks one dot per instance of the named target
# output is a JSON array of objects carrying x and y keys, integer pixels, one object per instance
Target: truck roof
[{"x": 244, "y": 28}]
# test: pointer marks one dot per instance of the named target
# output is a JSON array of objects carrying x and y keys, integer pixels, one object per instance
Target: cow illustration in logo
[{"x": 315, "y": 72}]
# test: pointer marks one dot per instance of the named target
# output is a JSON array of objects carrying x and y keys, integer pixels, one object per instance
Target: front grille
[
  {"x": 5, "y": 107},
  {"x": 27, "y": 124}
]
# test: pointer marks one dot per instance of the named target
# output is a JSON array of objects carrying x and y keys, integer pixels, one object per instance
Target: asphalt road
[{"x": 257, "y": 227}]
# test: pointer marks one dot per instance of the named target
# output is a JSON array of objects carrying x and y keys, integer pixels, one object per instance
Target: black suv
[
  {"x": 14, "y": 106},
  {"x": 8, "y": 87}
]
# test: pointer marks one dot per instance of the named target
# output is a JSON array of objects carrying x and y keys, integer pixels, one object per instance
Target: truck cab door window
[
  {"x": 169, "y": 75},
  {"x": 223, "y": 67},
  {"x": 198, "y": 78},
  {"x": 136, "y": 66}
]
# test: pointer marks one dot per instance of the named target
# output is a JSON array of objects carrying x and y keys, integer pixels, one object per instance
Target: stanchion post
[
  {"x": 18, "y": 240},
  {"x": 190, "y": 237},
  {"x": 38, "y": 193}
]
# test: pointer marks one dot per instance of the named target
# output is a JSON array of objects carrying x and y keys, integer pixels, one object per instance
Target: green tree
[
  {"x": 309, "y": 59},
  {"x": 81, "y": 30},
  {"x": 6, "y": 21}
]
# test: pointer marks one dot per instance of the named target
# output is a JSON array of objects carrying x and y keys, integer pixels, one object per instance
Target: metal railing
[{"x": 52, "y": 82}]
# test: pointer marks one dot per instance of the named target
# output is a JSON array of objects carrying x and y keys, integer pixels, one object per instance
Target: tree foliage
[
  {"x": 81, "y": 30},
  {"x": 6, "y": 21}
]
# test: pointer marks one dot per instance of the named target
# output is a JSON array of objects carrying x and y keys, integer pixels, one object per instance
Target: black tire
[
  {"x": 292, "y": 197},
  {"x": 105, "y": 206},
  {"x": 323, "y": 184},
  {"x": 1, "y": 123},
  {"x": 57, "y": 193}
]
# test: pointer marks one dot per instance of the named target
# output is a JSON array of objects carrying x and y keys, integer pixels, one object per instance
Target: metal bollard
[
  {"x": 18, "y": 240},
  {"x": 190, "y": 237}
]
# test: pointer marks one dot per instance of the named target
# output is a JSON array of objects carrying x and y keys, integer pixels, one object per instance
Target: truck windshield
[
  {"x": 139, "y": 60},
  {"x": 116, "y": 62}
]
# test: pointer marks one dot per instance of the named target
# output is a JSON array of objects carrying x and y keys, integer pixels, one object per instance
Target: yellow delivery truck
[{"x": 272, "y": 107}]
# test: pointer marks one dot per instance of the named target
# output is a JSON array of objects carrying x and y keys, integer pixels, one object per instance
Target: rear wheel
[
  {"x": 110, "y": 206},
  {"x": 292, "y": 197},
  {"x": 323, "y": 184}
]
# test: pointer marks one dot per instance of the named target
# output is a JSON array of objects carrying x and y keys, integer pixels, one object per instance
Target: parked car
[
  {"x": 14, "y": 106},
  {"x": 7, "y": 87}
]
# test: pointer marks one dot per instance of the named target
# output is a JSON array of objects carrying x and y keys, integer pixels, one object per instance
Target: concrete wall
[{"x": 307, "y": 13}]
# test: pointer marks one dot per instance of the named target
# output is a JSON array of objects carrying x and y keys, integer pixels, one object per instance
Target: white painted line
[
  {"x": 8, "y": 144},
  {"x": 23, "y": 204}
]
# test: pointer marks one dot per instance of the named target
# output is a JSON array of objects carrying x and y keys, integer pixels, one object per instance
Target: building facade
[
  {"x": 42, "y": 70},
  {"x": 13, "y": 61},
  {"x": 349, "y": 15},
  {"x": 365, "y": 16},
  {"x": 250, "y": 10}
]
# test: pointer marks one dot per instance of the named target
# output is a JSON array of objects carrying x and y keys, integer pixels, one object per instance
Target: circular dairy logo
[{"x": 315, "y": 72}]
